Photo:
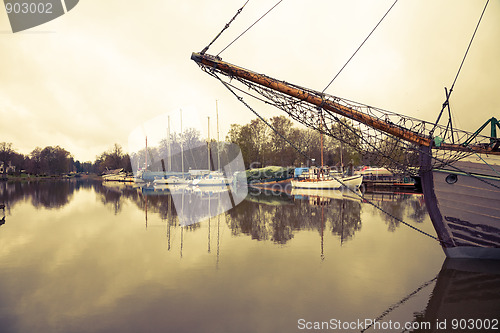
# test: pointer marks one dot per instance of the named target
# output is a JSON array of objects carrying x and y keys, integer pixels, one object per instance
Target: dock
[{"x": 390, "y": 185}]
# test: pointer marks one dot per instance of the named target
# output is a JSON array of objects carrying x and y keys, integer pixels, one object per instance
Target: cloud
[{"x": 87, "y": 78}]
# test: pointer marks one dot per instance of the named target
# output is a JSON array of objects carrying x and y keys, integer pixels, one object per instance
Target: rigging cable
[
  {"x": 359, "y": 47},
  {"x": 327, "y": 111},
  {"x": 261, "y": 118},
  {"x": 376, "y": 206},
  {"x": 337, "y": 179},
  {"x": 249, "y": 27},
  {"x": 448, "y": 94},
  {"x": 401, "y": 302},
  {"x": 489, "y": 165},
  {"x": 468, "y": 47}
]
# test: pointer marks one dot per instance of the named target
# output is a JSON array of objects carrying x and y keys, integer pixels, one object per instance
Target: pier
[{"x": 389, "y": 185}]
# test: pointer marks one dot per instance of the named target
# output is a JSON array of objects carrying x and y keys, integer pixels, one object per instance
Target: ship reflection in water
[
  {"x": 466, "y": 297},
  {"x": 82, "y": 256}
]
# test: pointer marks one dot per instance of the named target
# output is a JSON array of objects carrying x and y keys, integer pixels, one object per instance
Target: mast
[
  {"x": 317, "y": 99},
  {"x": 146, "y": 166},
  {"x": 341, "y": 160},
  {"x": 169, "y": 152},
  {"x": 208, "y": 144}
]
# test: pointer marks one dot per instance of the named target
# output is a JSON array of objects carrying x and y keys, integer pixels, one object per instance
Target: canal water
[{"x": 82, "y": 256}]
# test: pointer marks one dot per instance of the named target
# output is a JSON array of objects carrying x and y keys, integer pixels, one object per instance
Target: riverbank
[{"x": 27, "y": 177}]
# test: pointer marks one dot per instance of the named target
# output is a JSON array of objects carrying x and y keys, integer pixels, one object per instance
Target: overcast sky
[{"x": 87, "y": 79}]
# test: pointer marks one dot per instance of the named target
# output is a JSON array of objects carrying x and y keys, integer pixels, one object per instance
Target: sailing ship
[{"x": 459, "y": 171}]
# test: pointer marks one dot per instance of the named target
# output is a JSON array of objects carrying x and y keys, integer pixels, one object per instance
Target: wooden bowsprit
[{"x": 374, "y": 132}]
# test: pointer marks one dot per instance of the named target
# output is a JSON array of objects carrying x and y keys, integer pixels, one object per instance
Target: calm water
[{"x": 77, "y": 256}]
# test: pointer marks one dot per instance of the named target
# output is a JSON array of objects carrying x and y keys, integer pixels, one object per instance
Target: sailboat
[
  {"x": 174, "y": 180},
  {"x": 323, "y": 179},
  {"x": 459, "y": 171},
  {"x": 213, "y": 179}
]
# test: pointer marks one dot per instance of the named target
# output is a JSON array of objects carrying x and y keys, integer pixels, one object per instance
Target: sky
[{"x": 92, "y": 77}]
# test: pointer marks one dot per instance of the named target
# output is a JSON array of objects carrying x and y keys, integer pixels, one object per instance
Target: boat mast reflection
[{"x": 263, "y": 215}]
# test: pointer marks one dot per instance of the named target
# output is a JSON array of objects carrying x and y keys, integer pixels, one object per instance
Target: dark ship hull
[{"x": 463, "y": 200}]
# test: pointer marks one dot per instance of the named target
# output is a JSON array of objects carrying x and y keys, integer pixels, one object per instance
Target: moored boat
[
  {"x": 322, "y": 178},
  {"x": 117, "y": 175},
  {"x": 350, "y": 181},
  {"x": 211, "y": 179}
]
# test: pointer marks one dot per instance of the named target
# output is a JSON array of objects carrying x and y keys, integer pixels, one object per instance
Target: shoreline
[{"x": 40, "y": 178}]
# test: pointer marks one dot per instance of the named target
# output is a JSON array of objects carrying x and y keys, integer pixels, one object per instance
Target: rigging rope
[
  {"x": 249, "y": 27},
  {"x": 489, "y": 165},
  {"x": 228, "y": 86},
  {"x": 451, "y": 165},
  {"x": 225, "y": 27},
  {"x": 448, "y": 94},
  {"x": 401, "y": 302},
  {"x": 261, "y": 118},
  {"x": 359, "y": 47},
  {"x": 334, "y": 177},
  {"x": 468, "y": 47}
]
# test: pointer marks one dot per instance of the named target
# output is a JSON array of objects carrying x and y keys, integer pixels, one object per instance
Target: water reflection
[
  {"x": 116, "y": 257},
  {"x": 465, "y": 290},
  {"x": 276, "y": 216},
  {"x": 45, "y": 193},
  {"x": 259, "y": 216},
  {"x": 113, "y": 194},
  {"x": 2, "y": 219},
  {"x": 464, "y": 297},
  {"x": 396, "y": 207}
]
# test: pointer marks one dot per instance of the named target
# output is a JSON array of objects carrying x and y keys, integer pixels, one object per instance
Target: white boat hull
[
  {"x": 170, "y": 183},
  {"x": 316, "y": 184},
  {"x": 211, "y": 182},
  {"x": 352, "y": 182}
]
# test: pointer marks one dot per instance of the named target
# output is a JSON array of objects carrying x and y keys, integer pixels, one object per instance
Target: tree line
[
  {"x": 261, "y": 146},
  {"x": 343, "y": 144},
  {"x": 56, "y": 161},
  {"x": 185, "y": 151}
]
